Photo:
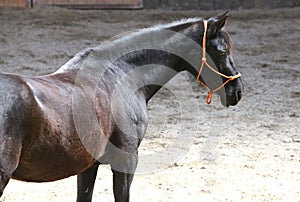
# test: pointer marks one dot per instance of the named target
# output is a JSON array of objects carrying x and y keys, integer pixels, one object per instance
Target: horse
[{"x": 93, "y": 110}]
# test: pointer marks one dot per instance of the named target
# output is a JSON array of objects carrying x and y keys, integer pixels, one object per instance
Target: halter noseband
[{"x": 204, "y": 62}]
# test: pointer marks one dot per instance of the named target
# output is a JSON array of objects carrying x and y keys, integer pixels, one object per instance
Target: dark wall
[{"x": 218, "y": 4}]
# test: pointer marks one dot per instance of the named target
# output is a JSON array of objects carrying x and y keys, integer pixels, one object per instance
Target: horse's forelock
[{"x": 227, "y": 39}]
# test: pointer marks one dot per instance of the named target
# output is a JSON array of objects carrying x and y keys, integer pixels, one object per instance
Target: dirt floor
[{"x": 250, "y": 152}]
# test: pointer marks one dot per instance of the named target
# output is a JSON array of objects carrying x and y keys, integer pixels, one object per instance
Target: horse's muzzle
[
  {"x": 233, "y": 93},
  {"x": 232, "y": 98}
]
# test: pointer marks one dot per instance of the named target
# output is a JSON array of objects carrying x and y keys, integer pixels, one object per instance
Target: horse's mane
[
  {"x": 184, "y": 21},
  {"x": 81, "y": 56},
  {"x": 157, "y": 27},
  {"x": 175, "y": 26}
]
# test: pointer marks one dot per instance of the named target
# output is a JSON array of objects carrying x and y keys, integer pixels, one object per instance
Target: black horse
[{"x": 93, "y": 110}]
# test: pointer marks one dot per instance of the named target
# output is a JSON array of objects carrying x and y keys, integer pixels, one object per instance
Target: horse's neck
[
  {"x": 152, "y": 69},
  {"x": 149, "y": 65},
  {"x": 156, "y": 67}
]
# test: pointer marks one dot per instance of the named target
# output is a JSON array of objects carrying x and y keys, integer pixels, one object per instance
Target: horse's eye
[{"x": 223, "y": 53}]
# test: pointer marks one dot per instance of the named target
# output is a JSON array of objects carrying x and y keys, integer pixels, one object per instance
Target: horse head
[
  {"x": 217, "y": 45},
  {"x": 219, "y": 48}
]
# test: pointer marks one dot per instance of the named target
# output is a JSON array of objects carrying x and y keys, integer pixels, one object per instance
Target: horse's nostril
[{"x": 238, "y": 94}]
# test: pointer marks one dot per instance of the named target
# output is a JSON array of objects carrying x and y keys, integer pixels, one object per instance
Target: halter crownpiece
[{"x": 204, "y": 62}]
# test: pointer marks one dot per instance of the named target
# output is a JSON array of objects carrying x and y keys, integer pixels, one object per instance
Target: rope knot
[
  {"x": 209, "y": 98},
  {"x": 204, "y": 60}
]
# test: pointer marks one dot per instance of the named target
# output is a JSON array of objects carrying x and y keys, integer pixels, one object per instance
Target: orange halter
[{"x": 204, "y": 62}]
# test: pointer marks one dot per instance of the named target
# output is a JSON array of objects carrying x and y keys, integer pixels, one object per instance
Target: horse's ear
[
  {"x": 222, "y": 15},
  {"x": 215, "y": 24}
]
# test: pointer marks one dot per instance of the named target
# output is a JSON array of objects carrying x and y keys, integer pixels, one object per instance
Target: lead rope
[{"x": 204, "y": 62}]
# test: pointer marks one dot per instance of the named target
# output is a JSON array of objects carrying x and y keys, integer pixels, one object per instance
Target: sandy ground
[{"x": 192, "y": 152}]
